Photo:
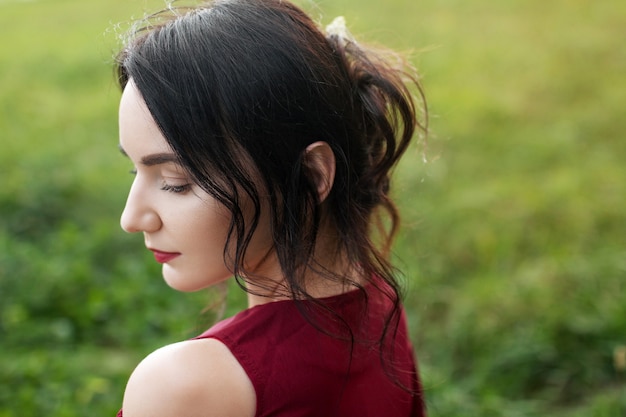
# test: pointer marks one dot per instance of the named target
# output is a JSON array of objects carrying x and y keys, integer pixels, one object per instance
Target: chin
[{"x": 184, "y": 283}]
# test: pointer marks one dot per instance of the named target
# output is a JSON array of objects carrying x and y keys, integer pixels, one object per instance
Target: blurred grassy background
[{"x": 514, "y": 249}]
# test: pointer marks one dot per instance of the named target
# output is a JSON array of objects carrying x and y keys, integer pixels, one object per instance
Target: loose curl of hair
[{"x": 240, "y": 88}]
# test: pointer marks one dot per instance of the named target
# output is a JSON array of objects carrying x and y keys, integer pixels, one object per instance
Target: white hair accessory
[{"x": 338, "y": 28}]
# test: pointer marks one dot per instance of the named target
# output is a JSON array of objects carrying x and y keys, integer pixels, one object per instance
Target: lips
[{"x": 164, "y": 257}]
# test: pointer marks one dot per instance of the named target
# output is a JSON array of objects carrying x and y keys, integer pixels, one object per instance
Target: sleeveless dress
[{"x": 303, "y": 363}]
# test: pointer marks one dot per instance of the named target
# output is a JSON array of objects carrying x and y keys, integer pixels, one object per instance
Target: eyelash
[{"x": 176, "y": 189}]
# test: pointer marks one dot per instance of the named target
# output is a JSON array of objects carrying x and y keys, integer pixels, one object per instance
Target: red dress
[{"x": 300, "y": 371}]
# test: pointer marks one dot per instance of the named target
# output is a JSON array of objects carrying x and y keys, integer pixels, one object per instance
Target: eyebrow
[{"x": 154, "y": 159}]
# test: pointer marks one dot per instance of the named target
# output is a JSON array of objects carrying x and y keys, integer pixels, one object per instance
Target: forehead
[{"x": 138, "y": 132}]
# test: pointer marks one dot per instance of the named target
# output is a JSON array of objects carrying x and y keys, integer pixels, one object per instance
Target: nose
[{"x": 139, "y": 215}]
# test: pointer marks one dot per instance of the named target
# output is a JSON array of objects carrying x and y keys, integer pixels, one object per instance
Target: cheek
[{"x": 207, "y": 226}]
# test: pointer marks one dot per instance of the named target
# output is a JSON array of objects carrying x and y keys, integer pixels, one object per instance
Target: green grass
[{"x": 514, "y": 245}]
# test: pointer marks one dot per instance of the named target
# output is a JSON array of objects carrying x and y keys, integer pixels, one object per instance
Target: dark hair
[{"x": 240, "y": 88}]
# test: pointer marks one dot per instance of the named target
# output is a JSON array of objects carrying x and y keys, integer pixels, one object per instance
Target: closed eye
[{"x": 177, "y": 189}]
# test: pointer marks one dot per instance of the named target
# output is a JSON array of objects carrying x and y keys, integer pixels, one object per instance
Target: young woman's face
[{"x": 184, "y": 226}]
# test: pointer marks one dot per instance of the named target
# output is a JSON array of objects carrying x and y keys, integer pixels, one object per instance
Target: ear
[{"x": 319, "y": 160}]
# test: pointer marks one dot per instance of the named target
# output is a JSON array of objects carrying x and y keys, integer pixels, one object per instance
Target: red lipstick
[{"x": 164, "y": 257}]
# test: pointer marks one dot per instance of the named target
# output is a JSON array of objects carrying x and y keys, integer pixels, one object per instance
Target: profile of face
[{"x": 185, "y": 227}]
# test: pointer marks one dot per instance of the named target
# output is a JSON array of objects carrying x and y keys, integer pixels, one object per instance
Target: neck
[{"x": 328, "y": 274}]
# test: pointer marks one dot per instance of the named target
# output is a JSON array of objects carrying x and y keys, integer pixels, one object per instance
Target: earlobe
[{"x": 319, "y": 159}]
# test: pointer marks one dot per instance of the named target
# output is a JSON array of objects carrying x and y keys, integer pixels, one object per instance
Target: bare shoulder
[{"x": 195, "y": 378}]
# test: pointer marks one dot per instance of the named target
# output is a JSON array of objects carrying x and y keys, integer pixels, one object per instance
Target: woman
[{"x": 262, "y": 151}]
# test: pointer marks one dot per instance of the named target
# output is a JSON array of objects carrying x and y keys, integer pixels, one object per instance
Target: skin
[
  {"x": 187, "y": 229},
  {"x": 198, "y": 378}
]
